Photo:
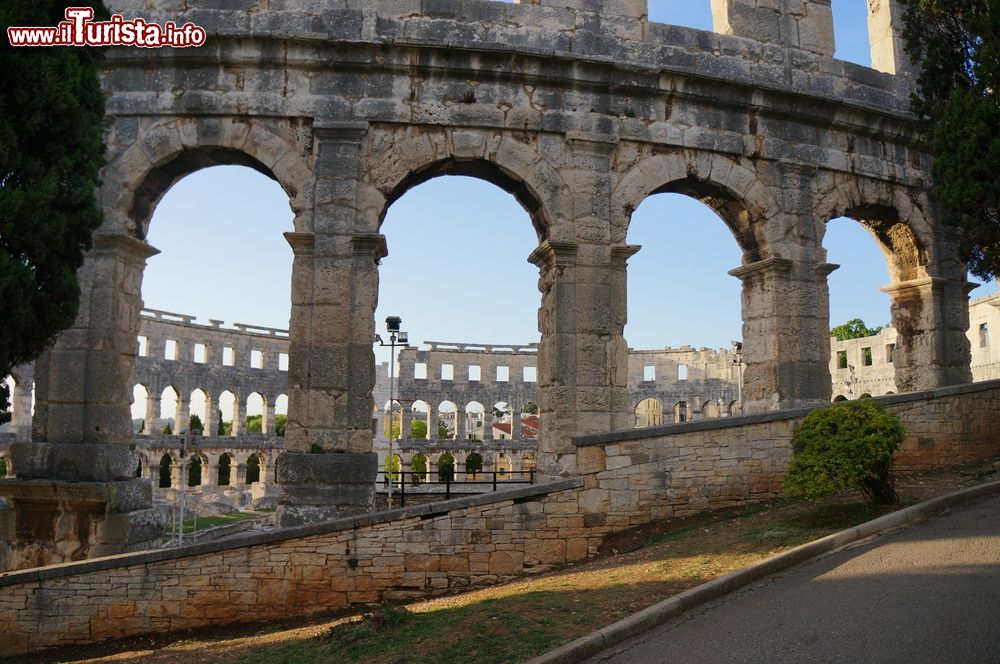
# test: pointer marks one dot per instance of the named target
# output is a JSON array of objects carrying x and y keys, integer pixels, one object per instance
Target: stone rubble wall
[
  {"x": 632, "y": 477},
  {"x": 675, "y": 470}
]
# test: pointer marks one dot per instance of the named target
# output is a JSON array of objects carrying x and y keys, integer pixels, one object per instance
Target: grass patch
[{"x": 195, "y": 524}]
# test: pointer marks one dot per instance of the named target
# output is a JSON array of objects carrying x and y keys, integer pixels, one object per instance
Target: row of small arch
[
  {"x": 255, "y": 401},
  {"x": 198, "y": 469},
  {"x": 649, "y": 411},
  {"x": 440, "y": 466}
]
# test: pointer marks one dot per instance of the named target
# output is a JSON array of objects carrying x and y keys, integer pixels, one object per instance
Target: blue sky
[{"x": 457, "y": 268}]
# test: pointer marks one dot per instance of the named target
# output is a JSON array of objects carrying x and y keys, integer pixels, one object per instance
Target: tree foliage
[
  {"x": 51, "y": 150},
  {"x": 418, "y": 429},
  {"x": 957, "y": 43},
  {"x": 845, "y": 446},
  {"x": 854, "y": 329},
  {"x": 195, "y": 423},
  {"x": 280, "y": 424}
]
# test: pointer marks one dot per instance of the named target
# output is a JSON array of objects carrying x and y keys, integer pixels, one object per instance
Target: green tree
[
  {"x": 194, "y": 423},
  {"x": 446, "y": 467},
  {"x": 167, "y": 429},
  {"x": 392, "y": 467},
  {"x": 418, "y": 429},
  {"x": 530, "y": 408},
  {"x": 220, "y": 429},
  {"x": 845, "y": 446},
  {"x": 255, "y": 423},
  {"x": 854, "y": 329},
  {"x": 444, "y": 433},
  {"x": 280, "y": 425},
  {"x": 418, "y": 467},
  {"x": 51, "y": 151},
  {"x": 957, "y": 43}
]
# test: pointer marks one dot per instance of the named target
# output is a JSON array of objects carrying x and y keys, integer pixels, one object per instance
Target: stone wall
[
  {"x": 675, "y": 470},
  {"x": 423, "y": 550},
  {"x": 631, "y": 478}
]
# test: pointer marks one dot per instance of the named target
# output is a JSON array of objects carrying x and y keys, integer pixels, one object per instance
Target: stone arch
[
  {"x": 447, "y": 410},
  {"x": 473, "y": 466},
  {"x": 475, "y": 414},
  {"x": 166, "y": 467},
  {"x": 200, "y": 395},
  {"x": 422, "y": 407},
  {"x": 502, "y": 466},
  {"x": 446, "y": 467},
  {"x": 419, "y": 467},
  {"x": 839, "y": 397},
  {"x": 6, "y": 469},
  {"x": 253, "y": 398},
  {"x": 197, "y": 468},
  {"x": 710, "y": 409},
  {"x": 137, "y": 177},
  {"x": 681, "y": 412},
  {"x": 254, "y": 469},
  {"x": 648, "y": 413},
  {"x": 894, "y": 218},
  {"x": 726, "y": 186},
  {"x": 170, "y": 392},
  {"x": 500, "y": 159},
  {"x": 225, "y": 468}
]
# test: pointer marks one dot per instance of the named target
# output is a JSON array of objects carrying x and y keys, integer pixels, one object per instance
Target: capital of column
[
  {"x": 922, "y": 283},
  {"x": 302, "y": 244},
  {"x": 824, "y": 269},
  {"x": 554, "y": 253},
  {"x": 773, "y": 265},
  {"x": 621, "y": 253},
  {"x": 125, "y": 246},
  {"x": 370, "y": 244}
]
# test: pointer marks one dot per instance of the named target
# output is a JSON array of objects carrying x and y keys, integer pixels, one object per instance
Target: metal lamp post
[
  {"x": 738, "y": 361},
  {"x": 392, "y": 325}
]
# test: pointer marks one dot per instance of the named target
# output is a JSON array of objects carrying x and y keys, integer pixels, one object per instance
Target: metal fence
[{"x": 407, "y": 481}]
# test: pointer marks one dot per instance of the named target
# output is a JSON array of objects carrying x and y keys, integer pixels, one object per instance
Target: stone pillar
[
  {"x": 885, "y": 35},
  {"x": 182, "y": 417},
  {"x": 239, "y": 415},
  {"x": 331, "y": 371},
  {"x": 267, "y": 426},
  {"x": 459, "y": 423},
  {"x": 404, "y": 433},
  {"x": 785, "y": 323},
  {"x": 151, "y": 425},
  {"x": 582, "y": 357},
  {"x": 785, "y": 332},
  {"x": 931, "y": 316},
  {"x": 488, "y": 425},
  {"x": 21, "y": 410},
  {"x": 804, "y": 24},
  {"x": 211, "y": 406},
  {"x": 76, "y": 495},
  {"x": 432, "y": 427}
]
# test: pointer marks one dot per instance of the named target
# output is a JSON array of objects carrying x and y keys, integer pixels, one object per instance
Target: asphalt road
[{"x": 929, "y": 594}]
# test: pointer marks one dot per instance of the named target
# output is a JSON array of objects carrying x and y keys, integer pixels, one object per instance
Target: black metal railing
[{"x": 407, "y": 479}]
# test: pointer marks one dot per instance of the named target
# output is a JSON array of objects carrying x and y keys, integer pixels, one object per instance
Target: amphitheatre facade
[{"x": 580, "y": 110}]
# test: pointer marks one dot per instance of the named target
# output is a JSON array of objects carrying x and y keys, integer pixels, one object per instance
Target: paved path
[{"x": 927, "y": 594}]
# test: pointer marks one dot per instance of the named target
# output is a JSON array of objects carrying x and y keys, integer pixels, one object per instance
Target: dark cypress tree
[
  {"x": 51, "y": 150},
  {"x": 957, "y": 43}
]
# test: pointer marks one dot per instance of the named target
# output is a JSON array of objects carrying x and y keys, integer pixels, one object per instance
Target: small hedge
[{"x": 846, "y": 446}]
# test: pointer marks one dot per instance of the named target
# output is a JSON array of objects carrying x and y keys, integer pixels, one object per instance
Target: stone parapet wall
[
  {"x": 630, "y": 478},
  {"x": 423, "y": 550},
  {"x": 674, "y": 470}
]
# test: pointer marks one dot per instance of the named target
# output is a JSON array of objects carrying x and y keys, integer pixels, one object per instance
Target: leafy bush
[{"x": 845, "y": 446}]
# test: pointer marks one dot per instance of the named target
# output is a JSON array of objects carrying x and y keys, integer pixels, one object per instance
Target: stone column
[
  {"x": 211, "y": 406},
  {"x": 488, "y": 425},
  {"x": 931, "y": 316},
  {"x": 331, "y": 363},
  {"x": 885, "y": 35},
  {"x": 182, "y": 418},
  {"x": 582, "y": 357},
  {"x": 804, "y": 24},
  {"x": 151, "y": 425},
  {"x": 404, "y": 433},
  {"x": 21, "y": 410},
  {"x": 239, "y": 415},
  {"x": 76, "y": 495},
  {"x": 459, "y": 423},
  {"x": 432, "y": 427},
  {"x": 785, "y": 323},
  {"x": 267, "y": 426}
]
